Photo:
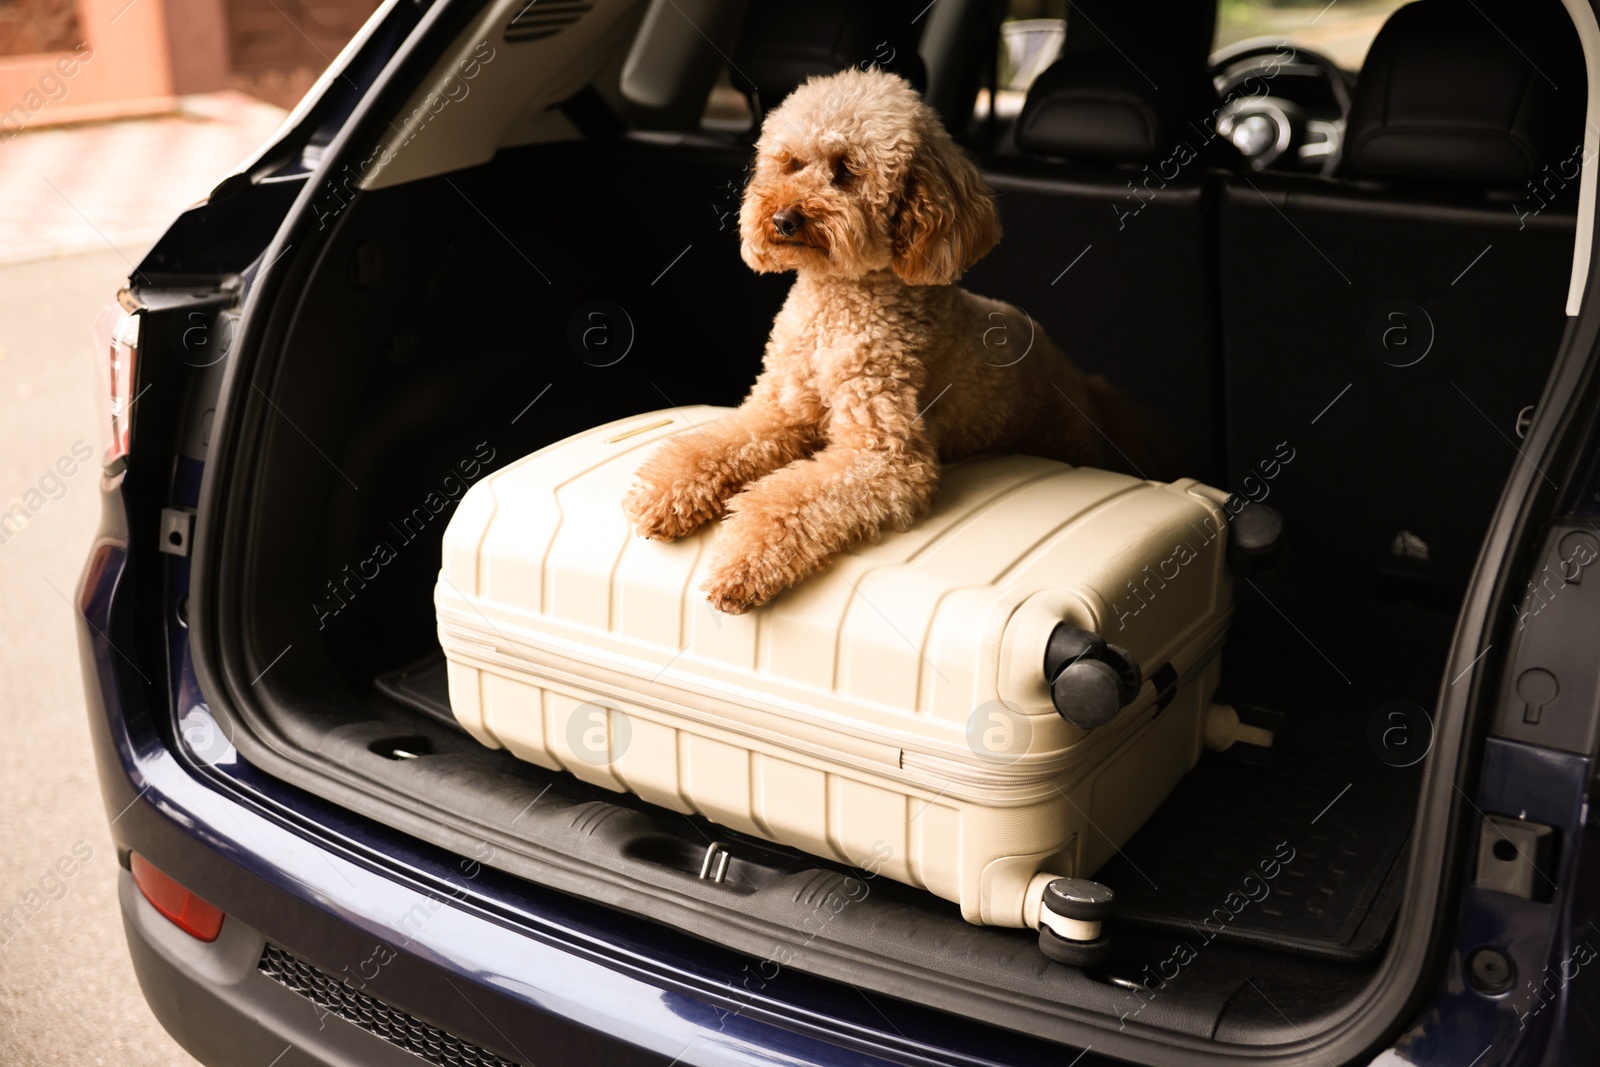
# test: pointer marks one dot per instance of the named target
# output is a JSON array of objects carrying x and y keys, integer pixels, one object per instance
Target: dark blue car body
[{"x": 385, "y": 948}]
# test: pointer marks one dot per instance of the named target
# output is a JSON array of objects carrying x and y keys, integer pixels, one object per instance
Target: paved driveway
[
  {"x": 79, "y": 188},
  {"x": 67, "y": 991}
]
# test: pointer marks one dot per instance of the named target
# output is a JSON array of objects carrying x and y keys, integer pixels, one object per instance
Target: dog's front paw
[
  {"x": 755, "y": 557},
  {"x": 736, "y": 586},
  {"x": 668, "y": 513}
]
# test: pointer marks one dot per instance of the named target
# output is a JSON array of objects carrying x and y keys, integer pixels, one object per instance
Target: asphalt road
[{"x": 67, "y": 991}]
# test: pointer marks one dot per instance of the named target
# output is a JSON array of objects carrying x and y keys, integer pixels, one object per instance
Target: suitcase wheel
[
  {"x": 1087, "y": 693},
  {"x": 1255, "y": 539},
  {"x": 1090, "y": 681},
  {"x": 1070, "y": 916},
  {"x": 1128, "y": 672},
  {"x": 1080, "y": 954},
  {"x": 1079, "y": 899},
  {"x": 1068, "y": 644}
]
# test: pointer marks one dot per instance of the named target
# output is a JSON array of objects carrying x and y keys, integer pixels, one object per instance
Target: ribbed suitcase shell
[{"x": 891, "y": 712}]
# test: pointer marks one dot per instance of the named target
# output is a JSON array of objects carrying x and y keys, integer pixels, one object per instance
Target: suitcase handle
[{"x": 1090, "y": 680}]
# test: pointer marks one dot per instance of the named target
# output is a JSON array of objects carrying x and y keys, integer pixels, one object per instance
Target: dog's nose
[{"x": 788, "y": 221}]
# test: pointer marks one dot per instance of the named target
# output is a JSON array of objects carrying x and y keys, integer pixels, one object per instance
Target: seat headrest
[
  {"x": 1102, "y": 106},
  {"x": 1486, "y": 92},
  {"x": 781, "y": 45}
]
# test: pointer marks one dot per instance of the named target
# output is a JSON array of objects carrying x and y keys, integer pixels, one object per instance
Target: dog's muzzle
[{"x": 787, "y": 222}]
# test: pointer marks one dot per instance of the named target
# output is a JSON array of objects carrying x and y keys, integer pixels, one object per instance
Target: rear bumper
[
  {"x": 223, "y": 1005},
  {"x": 215, "y": 1000},
  {"x": 418, "y": 940}
]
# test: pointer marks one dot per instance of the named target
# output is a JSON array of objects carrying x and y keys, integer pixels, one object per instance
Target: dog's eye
[
  {"x": 842, "y": 174},
  {"x": 795, "y": 163}
]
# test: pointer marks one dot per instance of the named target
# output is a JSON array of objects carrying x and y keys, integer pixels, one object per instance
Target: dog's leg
[
  {"x": 687, "y": 481},
  {"x": 790, "y": 523}
]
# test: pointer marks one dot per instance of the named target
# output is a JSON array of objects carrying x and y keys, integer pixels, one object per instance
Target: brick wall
[{"x": 29, "y": 26}]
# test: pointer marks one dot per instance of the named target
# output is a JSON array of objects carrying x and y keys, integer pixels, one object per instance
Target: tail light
[
  {"x": 188, "y": 912},
  {"x": 116, "y": 334}
]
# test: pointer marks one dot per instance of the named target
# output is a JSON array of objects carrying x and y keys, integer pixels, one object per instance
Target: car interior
[{"x": 1340, "y": 289}]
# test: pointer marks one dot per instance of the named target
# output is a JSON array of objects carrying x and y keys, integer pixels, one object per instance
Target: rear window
[
  {"x": 1342, "y": 30},
  {"x": 1030, "y": 40}
]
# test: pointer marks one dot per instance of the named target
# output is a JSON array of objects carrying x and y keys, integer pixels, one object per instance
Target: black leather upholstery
[
  {"x": 780, "y": 45},
  {"x": 1105, "y": 106},
  {"x": 1480, "y": 92}
]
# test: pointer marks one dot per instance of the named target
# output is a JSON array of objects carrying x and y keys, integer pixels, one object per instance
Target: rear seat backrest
[
  {"x": 1383, "y": 332},
  {"x": 685, "y": 232},
  {"x": 1109, "y": 219}
]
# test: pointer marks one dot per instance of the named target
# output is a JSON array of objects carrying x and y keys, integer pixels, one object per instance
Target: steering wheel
[{"x": 1255, "y": 79}]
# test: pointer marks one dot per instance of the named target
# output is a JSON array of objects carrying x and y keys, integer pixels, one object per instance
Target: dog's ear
[{"x": 947, "y": 219}]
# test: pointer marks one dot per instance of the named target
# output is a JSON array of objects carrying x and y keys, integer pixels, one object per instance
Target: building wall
[
  {"x": 121, "y": 64},
  {"x": 84, "y": 60}
]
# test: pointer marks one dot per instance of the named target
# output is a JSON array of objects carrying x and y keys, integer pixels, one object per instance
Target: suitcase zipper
[
  {"x": 464, "y": 638},
  {"x": 490, "y": 643}
]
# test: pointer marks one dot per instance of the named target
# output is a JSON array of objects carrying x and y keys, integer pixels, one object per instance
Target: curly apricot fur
[{"x": 878, "y": 366}]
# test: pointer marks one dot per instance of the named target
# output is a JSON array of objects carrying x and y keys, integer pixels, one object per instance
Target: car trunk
[{"x": 440, "y": 334}]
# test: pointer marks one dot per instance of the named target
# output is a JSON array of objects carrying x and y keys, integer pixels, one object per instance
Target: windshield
[{"x": 1341, "y": 30}]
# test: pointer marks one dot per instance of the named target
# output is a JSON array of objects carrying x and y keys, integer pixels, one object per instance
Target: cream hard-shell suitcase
[{"x": 892, "y": 712}]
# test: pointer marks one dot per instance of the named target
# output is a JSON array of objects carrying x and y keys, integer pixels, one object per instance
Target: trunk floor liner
[
  {"x": 422, "y": 686},
  {"x": 1336, "y": 792},
  {"x": 1219, "y": 861},
  {"x": 1300, "y": 848}
]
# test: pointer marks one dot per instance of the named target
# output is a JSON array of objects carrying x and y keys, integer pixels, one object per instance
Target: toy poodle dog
[{"x": 878, "y": 366}]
